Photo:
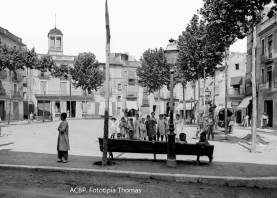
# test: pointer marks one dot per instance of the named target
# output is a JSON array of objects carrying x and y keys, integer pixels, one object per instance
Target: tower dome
[{"x": 55, "y": 31}]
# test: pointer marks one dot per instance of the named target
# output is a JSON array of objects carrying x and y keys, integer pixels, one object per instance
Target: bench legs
[
  {"x": 197, "y": 160},
  {"x": 210, "y": 159},
  {"x": 110, "y": 155}
]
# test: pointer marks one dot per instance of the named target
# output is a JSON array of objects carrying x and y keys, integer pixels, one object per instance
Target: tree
[
  {"x": 86, "y": 72},
  {"x": 154, "y": 72},
  {"x": 15, "y": 59},
  {"x": 235, "y": 20},
  {"x": 46, "y": 64},
  {"x": 61, "y": 71},
  {"x": 198, "y": 51}
]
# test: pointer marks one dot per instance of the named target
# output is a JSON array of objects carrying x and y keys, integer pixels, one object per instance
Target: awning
[
  {"x": 131, "y": 105},
  {"x": 236, "y": 81},
  {"x": 220, "y": 107},
  {"x": 245, "y": 102}
]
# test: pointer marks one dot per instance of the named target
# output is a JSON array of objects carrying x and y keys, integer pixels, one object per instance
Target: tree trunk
[
  {"x": 254, "y": 97},
  {"x": 226, "y": 93},
  {"x": 194, "y": 93},
  {"x": 159, "y": 102},
  {"x": 107, "y": 91},
  {"x": 198, "y": 107},
  {"x": 184, "y": 102}
]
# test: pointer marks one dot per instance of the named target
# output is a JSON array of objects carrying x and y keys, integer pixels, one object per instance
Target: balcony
[
  {"x": 267, "y": 59},
  {"x": 236, "y": 93},
  {"x": 131, "y": 95},
  {"x": 17, "y": 94}
]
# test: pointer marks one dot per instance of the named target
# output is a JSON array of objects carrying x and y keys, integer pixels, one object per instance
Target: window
[
  {"x": 270, "y": 42},
  {"x": 59, "y": 42},
  {"x": 119, "y": 87},
  {"x": 262, "y": 77},
  {"x": 236, "y": 89},
  {"x": 57, "y": 107},
  {"x": 131, "y": 82},
  {"x": 269, "y": 77},
  {"x": 63, "y": 88},
  {"x": 237, "y": 66},
  {"x": 263, "y": 47},
  {"x": 14, "y": 88},
  {"x": 43, "y": 87},
  {"x": 52, "y": 42}
]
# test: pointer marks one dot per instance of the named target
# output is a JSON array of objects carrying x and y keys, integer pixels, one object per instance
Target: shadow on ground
[{"x": 141, "y": 165}]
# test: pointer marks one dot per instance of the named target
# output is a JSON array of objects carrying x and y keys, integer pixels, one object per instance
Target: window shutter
[
  {"x": 275, "y": 41},
  {"x": 275, "y": 75}
]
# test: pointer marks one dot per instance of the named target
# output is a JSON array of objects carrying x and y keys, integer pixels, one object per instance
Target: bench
[{"x": 139, "y": 146}]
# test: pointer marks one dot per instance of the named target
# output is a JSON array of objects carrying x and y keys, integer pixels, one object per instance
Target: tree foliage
[
  {"x": 154, "y": 72},
  {"x": 15, "y": 59},
  {"x": 86, "y": 72},
  {"x": 198, "y": 50},
  {"x": 46, "y": 64},
  {"x": 234, "y": 19},
  {"x": 61, "y": 71}
]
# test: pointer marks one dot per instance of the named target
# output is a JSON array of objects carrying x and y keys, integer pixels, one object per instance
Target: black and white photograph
[{"x": 138, "y": 98}]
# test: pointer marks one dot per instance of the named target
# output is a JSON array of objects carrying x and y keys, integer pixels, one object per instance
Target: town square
[{"x": 138, "y": 99}]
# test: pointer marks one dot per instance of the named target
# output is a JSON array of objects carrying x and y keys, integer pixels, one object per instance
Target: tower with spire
[{"x": 55, "y": 41}]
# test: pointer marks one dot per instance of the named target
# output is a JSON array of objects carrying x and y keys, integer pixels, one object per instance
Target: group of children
[
  {"x": 148, "y": 128},
  {"x": 151, "y": 129}
]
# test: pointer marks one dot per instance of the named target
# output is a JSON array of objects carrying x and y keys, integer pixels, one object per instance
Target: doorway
[
  {"x": 268, "y": 108},
  {"x": 2, "y": 110},
  {"x": 71, "y": 108}
]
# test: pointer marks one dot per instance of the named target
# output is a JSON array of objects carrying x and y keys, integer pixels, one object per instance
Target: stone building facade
[
  {"x": 266, "y": 69},
  {"x": 51, "y": 96}
]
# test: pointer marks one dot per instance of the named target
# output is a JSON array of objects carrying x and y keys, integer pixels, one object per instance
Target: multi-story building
[
  {"x": 51, "y": 96},
  {"x": 237, "y": 99},
  {"x": 266, "y": 69},
  {"x": 12, "y": 88}
]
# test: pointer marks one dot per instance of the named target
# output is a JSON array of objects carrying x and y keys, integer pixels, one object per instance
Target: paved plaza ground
[
  {"x": 47, "y": 185},
  {"x": 83, "y": 134}
]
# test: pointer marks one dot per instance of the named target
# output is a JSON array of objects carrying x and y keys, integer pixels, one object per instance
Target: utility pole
[
  {"x": 226, "y": 93},
  {"x": 107, "y": 87},
  {"x": 254, "y": 97}
]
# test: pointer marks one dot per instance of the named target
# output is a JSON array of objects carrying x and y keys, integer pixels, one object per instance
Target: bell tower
[{"x": 55, "y": 42}]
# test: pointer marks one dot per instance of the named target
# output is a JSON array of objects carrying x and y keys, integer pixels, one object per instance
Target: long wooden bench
[{"x": 138, "y": 146}]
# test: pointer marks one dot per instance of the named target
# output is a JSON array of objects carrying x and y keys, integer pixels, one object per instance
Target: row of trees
[
  {"x": 85, "y": 72},
  {"x": 204, "y": 44}
]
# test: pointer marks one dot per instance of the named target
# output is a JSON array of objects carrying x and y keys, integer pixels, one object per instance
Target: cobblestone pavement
[{"x": 15, "y": 183}]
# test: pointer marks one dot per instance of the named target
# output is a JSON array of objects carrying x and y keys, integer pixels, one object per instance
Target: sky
[{"x": 136, "y": 25}]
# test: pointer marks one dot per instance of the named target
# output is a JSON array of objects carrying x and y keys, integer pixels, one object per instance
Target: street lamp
[{"x": 171, "y": 54}]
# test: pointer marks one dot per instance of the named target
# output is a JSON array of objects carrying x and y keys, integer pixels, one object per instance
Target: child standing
[
  {"x": 63, "y": 140},
  {"x": 123, "y": 126},
  {"x": 142, "y": 129}
]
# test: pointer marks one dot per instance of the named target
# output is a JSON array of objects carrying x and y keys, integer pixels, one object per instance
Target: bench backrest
[{"x": 136, "y": 146}]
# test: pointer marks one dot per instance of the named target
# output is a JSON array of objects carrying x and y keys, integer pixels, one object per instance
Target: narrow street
[{"x": 15, "y": 183}]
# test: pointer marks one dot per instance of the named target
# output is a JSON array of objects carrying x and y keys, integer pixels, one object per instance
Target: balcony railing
[{"x": 239, "y": 92}]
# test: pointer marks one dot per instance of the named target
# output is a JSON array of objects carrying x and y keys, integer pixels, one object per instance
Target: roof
[
  {"x": 11, "y": 36},
  {"x": 55, "y": 31}
]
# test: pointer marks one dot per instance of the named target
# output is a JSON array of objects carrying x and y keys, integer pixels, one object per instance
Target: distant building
[
  {"x": 52, "y": 96},
  {"x": 237, "y": 99},
  {"x": 12, "y": 90}
]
